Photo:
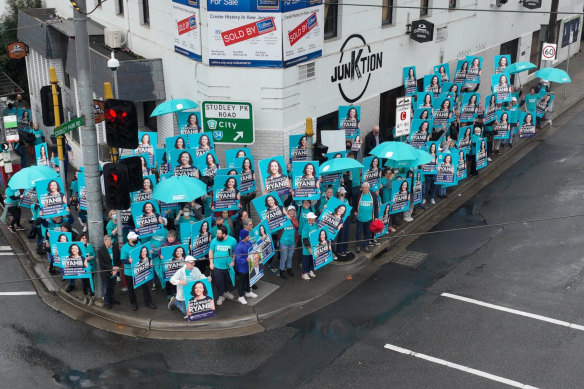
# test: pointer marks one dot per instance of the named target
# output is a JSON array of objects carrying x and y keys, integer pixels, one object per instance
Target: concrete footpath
[{"x": 283, "y": 301}]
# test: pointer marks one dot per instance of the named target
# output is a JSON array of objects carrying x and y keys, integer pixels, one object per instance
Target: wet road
[{"x": 530, "y": 267}]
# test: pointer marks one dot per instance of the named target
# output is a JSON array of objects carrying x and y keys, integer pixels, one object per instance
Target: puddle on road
[{"x": 324, "y": 335}]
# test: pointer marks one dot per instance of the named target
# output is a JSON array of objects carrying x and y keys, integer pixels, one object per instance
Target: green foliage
[{"x": 15, "y": 68}]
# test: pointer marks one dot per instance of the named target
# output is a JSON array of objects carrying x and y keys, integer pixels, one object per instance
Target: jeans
[
  {"x": 513, "y": 129},
  {"x": 243, "y": 284},
  {"x": 343, "y": 236},
  {"x": 109, "y": 287},
  {"x": 180, "y": 304},
  {"x": 286, "y": 254},
  {"x": 363, "y": 227},
  {"x": 132, "y": 292},
  {"x": 222, "y": 281},
  {"x": 307, "y": 264}
]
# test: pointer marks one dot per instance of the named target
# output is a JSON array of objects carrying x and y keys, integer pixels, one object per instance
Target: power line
[{"x": 389, "y": 237}]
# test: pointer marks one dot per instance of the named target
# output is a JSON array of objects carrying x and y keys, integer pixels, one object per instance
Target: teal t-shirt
[
  {"x": 385, "y": 190},
  {"x": 223, "y": 251},
  {"x": 90, "y": 253},
  {"x": 9, "y": 201},
  {"x": 124, "y": 256},
  {"x": 305, "y": 235},
  {"x": 111, "y": 254},
  {"x": 365, "y": 208},
  {"x": 287, "y": 237},
  {"x": 531, "y": 102}
]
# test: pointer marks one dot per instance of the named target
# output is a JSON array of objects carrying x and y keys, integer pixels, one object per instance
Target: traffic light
[
  {"x": 134, "y": 166},
  {"x": 117, "y": 191},
  {"x": 319, "y": 152},
  {"x": 47, "y": 105},
  {"x": 121, "y": 124}
]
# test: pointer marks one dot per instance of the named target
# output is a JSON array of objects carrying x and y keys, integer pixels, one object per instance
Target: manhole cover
[{"x": 410, "y": 258}]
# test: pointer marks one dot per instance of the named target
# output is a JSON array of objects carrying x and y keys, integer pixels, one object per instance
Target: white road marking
[
  {"x": 5, "y": 254},
  {"x": 516, "y": 312},
  {"x": 4, "y": 248},
  {"x": 31, "y": 293},
  {"x": 459, "y": 367}
]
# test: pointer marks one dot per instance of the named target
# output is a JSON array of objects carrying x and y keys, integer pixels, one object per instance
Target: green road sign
[
  {"x": 69, "y": 126},
  {"x": 229, "y": 122}
]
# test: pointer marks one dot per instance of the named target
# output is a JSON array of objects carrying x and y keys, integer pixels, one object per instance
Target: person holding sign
[
  {"x": 221, "y": 261},
  {"x": 307, "y": 262},
  {"x": 187, "y": 273},
  {"x": 127, "y": 261},
  {"x": 365, "y": 207},
  {"x": 109, "y": 261},
  {"x": 242, "y": 259}
]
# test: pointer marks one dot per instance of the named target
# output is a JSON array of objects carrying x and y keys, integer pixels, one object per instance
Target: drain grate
[{"x": 410, "y": 258}]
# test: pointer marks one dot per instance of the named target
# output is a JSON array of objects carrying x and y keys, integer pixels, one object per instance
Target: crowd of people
[{"x": 202, "y": 252}]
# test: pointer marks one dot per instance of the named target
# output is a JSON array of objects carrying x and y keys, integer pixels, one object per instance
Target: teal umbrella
[
  {"x": 172, "y": 106},
  {"x": 519, "y": 67},
  {"x": 553, "y": 75},
  {"x": 25, "y": 178},
  {"x": 422, "y": 158},
  {"x": 337, "y": 165},
  {"x": 179, "y": 189},
  {"x": 396, "y": 152}
]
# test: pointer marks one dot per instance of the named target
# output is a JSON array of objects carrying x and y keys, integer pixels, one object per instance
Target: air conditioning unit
[{"x": 113, "y": 38}]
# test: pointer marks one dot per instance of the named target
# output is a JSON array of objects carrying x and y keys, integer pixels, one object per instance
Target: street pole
[
  {"x": 57, "y": 115},
  {"x": 88, "y": 136},
  {"x": 107, "y": 89},
  {"x": 309, "y": 132}
]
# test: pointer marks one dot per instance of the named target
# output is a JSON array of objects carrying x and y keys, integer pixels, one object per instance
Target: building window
[
  {"x": 145, "y": 12},
  {"x": 67, "y": 80},
  {"x": 119, "y": 7},
  {"x": 424, "y": 8},
  {"x": 327, "y": 122},
  {"x": 331, "y": 12},
  {"x": 387, "y": 12},
  {"x": 451, "y": 4}
]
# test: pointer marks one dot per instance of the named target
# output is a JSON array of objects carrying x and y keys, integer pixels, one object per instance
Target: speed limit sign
[{"x": 548, "y": 52}]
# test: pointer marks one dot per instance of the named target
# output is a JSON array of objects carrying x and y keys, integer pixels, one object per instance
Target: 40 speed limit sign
[{"x": 548, "y": 51}]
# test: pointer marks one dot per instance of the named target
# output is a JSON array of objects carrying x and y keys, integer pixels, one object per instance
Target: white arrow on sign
[{"x": 239, "y": 135}]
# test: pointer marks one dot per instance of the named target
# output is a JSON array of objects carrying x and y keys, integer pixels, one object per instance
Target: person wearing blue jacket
[{"x": 242, "y": 266}]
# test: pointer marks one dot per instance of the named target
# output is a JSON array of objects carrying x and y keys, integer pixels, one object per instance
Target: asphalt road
[{"x": 531, "y": 267}]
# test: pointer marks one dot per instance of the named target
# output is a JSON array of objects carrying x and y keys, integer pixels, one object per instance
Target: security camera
[{"x": 113, "y": 63}]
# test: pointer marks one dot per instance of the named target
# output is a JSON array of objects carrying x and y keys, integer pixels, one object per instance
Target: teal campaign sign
[{"x": 229, "y": 122}]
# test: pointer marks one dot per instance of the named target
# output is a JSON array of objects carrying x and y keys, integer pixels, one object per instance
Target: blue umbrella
[
  {"x": 553, "y": 75},
  {"x": 179, "y": 189},
  {"x": 25, "y": 178},
  {"x": 172, "y": 106},
  {"x": 422, "y": 158},
  {"x": 337, "y": 165},
  {"x": 395, "y": 152},
  {"x": 519, "y": 67}
]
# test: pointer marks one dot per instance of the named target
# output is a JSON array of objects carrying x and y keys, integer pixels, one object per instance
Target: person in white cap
[
  {"x": 181, "y": 278},
  {"x": 288, "y": 244},
  {"x": 126, "y": 260},
  {"x": 307, "y": 262}
]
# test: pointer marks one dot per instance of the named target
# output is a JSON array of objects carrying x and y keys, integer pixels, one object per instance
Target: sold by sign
[
  {"x": 302, "y": 29},
  {"x": 549, "y": 51},
  {"x": 248, "y": 31},
  {"x": 186, "y": 25}
]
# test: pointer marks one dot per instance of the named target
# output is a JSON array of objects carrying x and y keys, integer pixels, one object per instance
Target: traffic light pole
[
  {"x": 88, "y": 136},
  {"x": 107, "y": 89},
  {"x": 57, "y": 115}
]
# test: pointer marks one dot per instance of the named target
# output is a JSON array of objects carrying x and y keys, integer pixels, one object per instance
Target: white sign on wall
[
  {"x": 549, "y": 51},
  {"x": 187, "y": 28},
  {"x": 402, "y": 116}
]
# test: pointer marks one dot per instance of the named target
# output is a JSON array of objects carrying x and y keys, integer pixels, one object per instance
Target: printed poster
[
  {"x": 274, "y": 175},
  {"x": 298, "y": 145},
  {"x": 305, "y": 180},
  {"x": 262, "y": 235},
  {"x": 142, "y": 271},
  {"x": 247, "y": 182},
  {"x": 321, "y": 247},
  {"x": 147, "y": 145},
  {"x": 226, "y": 193},
  {"x": 410, "y": 81},
  {"x": 189, "y": 122},
  {"x": 187, "y": 28},
  {"x": 303, "y": 30},
  {"x": 173, "y": 258},
  {"x": 333, "y": 216},
  {"x": 400, "y": 196},
  {"x": 52, "y": 200},
  {"x": 350, "y": 120},
  {"x": 147, "y": 217},
  {"x": 270, "y": 208},
  {"x": 199, "y": 299},
  {"x": 384, "y": 216}
]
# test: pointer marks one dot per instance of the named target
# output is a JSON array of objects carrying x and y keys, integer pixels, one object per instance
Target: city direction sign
[{"x": 229, "y": 122}]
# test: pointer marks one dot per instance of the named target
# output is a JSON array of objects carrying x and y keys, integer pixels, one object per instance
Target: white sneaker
[
  {"x": 229, "y": 295},
  {"x": 242, "y": 300},
  {"x": 423, "y": 201},
  {"x": 432, "y": 201},
  {"x": 311, "y": 274},
  {"x": 124, "y": 289},
  {"x": 489, "y": 159},
  {"x": 251, "y": 294},
  {"x": 220, "y": 300},
  {"x": 305, "y": 277},
  {"x": 408, "y": 219},
  {"x": 85, "y": 228}
]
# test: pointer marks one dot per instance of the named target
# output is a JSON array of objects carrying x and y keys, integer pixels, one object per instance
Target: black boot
[
  {"x": 290, "y": 272},
  {"x": 283, "y": 275}
]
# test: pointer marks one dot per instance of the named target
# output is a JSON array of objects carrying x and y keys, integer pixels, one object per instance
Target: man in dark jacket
[
  {"x": 109, "y": 262},
  {"x": 373, "y": 139}
]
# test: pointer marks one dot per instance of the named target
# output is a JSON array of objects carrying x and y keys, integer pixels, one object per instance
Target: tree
[{"x": 14, "y": 68}]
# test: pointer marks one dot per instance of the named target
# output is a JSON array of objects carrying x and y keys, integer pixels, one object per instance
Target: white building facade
[{"x": 283, "y": 97}]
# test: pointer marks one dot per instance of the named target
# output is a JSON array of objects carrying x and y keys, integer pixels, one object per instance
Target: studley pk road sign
[
  {"x": 229, "y": 122},
  {"x": 69, "y": 126}
]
